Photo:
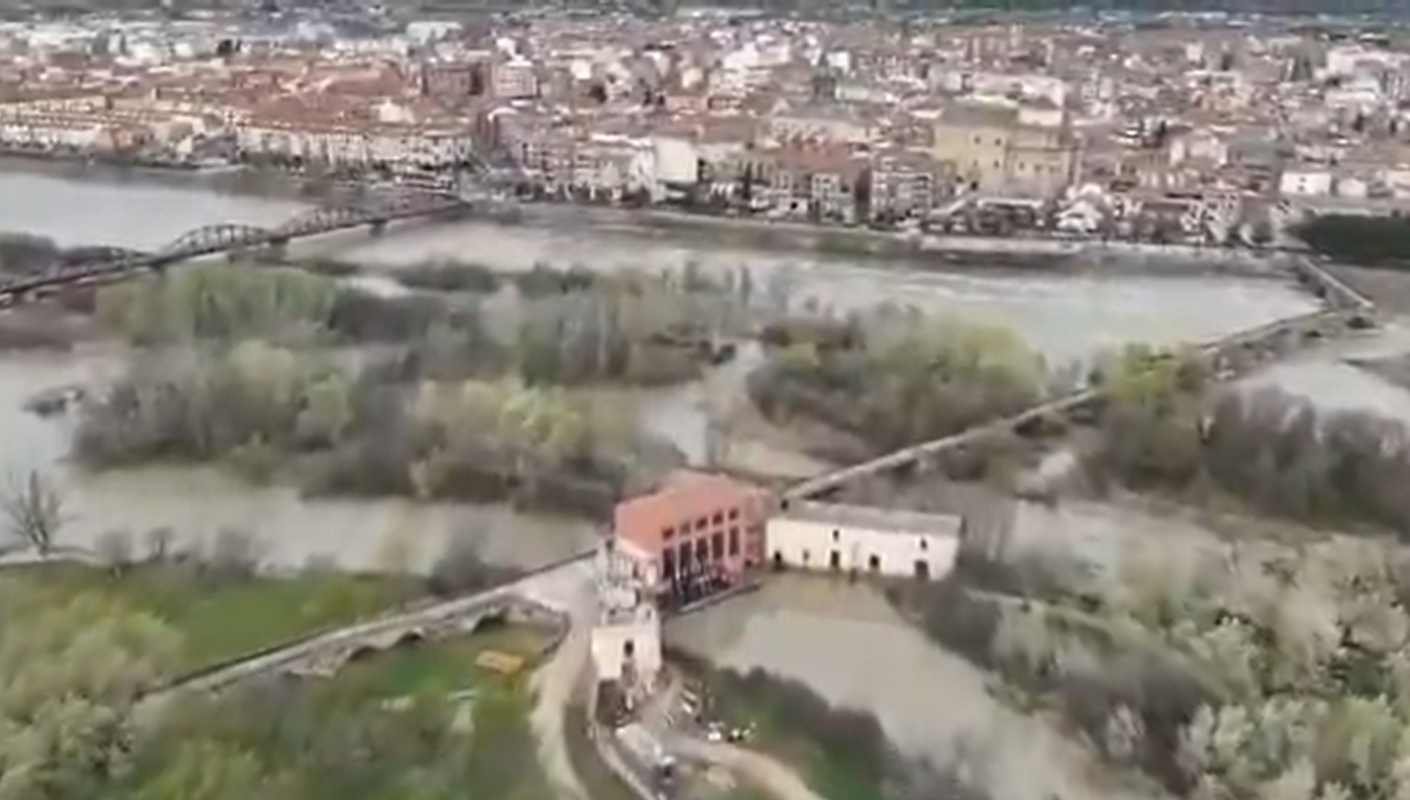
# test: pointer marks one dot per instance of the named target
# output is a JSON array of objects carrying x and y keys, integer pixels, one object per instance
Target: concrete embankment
[{"x": 1014, "y": 250}]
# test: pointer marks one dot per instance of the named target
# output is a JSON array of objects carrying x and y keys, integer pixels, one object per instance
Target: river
[
  {"x": 847, "y": 643},
  {"x": 1067, "y": 314}
]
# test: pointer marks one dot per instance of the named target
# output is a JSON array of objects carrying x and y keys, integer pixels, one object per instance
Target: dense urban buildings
[{"x": 1196, "y": 129}]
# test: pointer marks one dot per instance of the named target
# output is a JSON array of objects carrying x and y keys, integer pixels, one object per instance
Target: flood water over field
[
  {"x": 1066, "y": 313},
  {"x": 1324, "y": 376}
]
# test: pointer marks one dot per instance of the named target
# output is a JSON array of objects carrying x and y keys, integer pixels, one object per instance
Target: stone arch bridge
[{"x": 533, "y": 598}]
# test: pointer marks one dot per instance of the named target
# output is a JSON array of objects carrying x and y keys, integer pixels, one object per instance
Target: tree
[
  {"x": 33, "y": 510},
  {"x": 159, "y": 543},
  {"x": 71, "y": 674}
]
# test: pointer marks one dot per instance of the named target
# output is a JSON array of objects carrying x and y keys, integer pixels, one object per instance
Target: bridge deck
[{"x": 213, "y": 239}]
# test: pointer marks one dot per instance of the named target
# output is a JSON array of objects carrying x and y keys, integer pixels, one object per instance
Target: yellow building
[{"x": 994, "y": 151}]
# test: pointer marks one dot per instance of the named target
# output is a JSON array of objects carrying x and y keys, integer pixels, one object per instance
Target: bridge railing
[{"x": 211, "y": 239}]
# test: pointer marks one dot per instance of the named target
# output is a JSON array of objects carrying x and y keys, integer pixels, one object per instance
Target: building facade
[
  {"x": 993, "y": 150},
  {"x": 696, "y": 527},
  {"x": 859, "y": 539}
]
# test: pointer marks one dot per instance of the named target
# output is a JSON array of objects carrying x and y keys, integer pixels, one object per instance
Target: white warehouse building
[{"x": 843, "y": 538}]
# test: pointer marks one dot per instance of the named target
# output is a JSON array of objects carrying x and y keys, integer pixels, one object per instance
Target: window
[
  {"x": 734, "y": 541},
  {"x": 924, "y": 545},
  {"x": 717, "y": 546},
  {"x": 978, "y": 140},
  {"x": 702, "y": 550},
  {"x": 806, "y": 555},
  {"x": 874, "y": 563},
  {"x": 834, "y": 560},
  {"x": 667, "y": 533},
  {"x": 836, "y": 534},
  {"x": 668, "y": 564},
  {"x": 719, "y": 518},
  {"x": 734, "y": 513},
  {"x": 701, "y": 523}
]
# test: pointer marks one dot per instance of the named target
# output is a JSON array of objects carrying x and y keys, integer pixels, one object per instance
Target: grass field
[
  {"x": 443, "y": 668},
  {"x": 420, "y": 721},
  {"x": 221, "y": 617}
]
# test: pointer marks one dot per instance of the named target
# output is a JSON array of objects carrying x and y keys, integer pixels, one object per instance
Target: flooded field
[
  {"x": 1324, "y": 376},
  {"x": 847, "y": 643}
]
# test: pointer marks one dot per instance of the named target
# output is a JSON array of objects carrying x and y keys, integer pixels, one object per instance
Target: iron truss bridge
[{"x": 111, "y": 263}]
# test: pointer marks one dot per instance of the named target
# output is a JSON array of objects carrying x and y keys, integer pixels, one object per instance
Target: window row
[
  {"x": 701, "y": 523},
  {"x": 701, "y": 551}
]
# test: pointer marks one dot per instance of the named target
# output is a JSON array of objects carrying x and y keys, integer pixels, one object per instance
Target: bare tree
[
  {"x": 159, "y": 543},
  {"x": 32, "y": 510}
]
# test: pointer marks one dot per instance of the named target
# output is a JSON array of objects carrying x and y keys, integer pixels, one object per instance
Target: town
[
  {"x": 1197, "y": 130},
  {"x": 638, "y": 402}
]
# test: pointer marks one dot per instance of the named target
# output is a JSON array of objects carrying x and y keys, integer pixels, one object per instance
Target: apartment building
[
  {"x": 514, "y": 79},
  {"x": 991, "y": 148},
  {"x": 907, "y": 185}
]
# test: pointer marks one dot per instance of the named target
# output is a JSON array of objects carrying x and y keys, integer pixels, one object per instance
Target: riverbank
[{"x": 942, "y": 251}]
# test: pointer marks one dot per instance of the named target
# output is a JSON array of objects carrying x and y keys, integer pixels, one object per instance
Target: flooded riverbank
[
  {"x": 195, "y": 502},
  {"x": 1328, "y": 377},
  {"x": 1068, "y": 314},
  {"x": 846, "y": 642}
]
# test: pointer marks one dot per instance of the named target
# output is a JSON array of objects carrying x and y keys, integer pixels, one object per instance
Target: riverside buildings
[{"x": 867, "y": 122}]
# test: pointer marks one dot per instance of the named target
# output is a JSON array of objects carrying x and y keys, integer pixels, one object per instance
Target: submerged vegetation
[
  {"x": 1240, "y": 670},
  {"x": 267, "y": 411},
  {"x": 1267, "y": 449},
  {"x": 466, "y": 404},
  {"x": 903, "y": 382}
]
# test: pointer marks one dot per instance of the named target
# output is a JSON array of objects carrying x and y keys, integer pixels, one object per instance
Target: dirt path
[
  {"x": 774, "y": 777},
  {"x": 556, "y": 681}
]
